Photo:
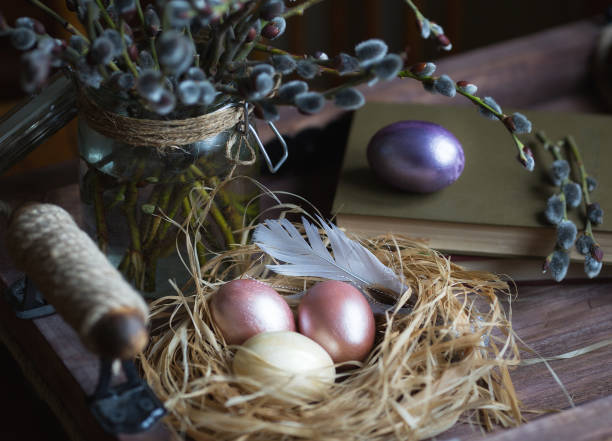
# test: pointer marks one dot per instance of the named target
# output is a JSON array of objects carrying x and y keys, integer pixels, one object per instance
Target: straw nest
[{"x": 444, "y": 362}]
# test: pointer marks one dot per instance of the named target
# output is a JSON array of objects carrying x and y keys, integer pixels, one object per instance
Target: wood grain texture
[
  {"x": 558, "y": 319},
  {"x": 552, "y": 319},
  {"x": 590, "y": 422}
]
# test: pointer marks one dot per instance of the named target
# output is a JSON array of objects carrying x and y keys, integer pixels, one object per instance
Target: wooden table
[{"x": 543, "y": 71}]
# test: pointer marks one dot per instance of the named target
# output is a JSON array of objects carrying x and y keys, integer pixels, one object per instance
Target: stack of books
[{"x": 494, "y": 211}]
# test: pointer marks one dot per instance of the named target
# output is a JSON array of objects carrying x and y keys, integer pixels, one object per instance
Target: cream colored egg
[{"x": 287, "y": 362}]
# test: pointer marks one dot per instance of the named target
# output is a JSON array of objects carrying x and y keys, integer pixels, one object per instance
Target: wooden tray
[{"x": 545, "y": 71}]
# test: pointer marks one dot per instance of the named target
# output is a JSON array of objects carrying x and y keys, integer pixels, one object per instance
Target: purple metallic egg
[
  {"x": 245, "y": 307},
  {"x": 417, "y": 156},
  {"x": 338, "y": 317}
]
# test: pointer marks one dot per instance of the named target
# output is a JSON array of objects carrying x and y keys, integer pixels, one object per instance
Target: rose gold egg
[
  {"x": 338, "y": 317},
  {"x": 243, "y": 308}
]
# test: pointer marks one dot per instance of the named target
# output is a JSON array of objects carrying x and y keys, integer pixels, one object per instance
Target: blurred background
[
  {"x": 334, "y": 26},
  {"x": 337, "y": 25}
]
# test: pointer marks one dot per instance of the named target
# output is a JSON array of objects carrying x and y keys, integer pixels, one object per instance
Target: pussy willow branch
[
  {"x": 276, "y": 51},
  {"x": 217, "y": 46},
  {"x": 242, "y": 49},
  {"x": 119, "y": 196},
  {"x": 226, "y": 201},
  {"x": 126, "y": 56},
  {"x": 361, "y": 78},
  {"x": 299, "y": 9},
  {"x": 217, "y": 216},
  {"x": 129, "y": 208},
  {"x": 162, "y": 206},
  {"x": 425, "y": 21},
  {"x": 355, "y": 81},
  {"x": 583, "y": 181},
  {"x": 416, "y": 10},
  {"x": 555, "y": 152},
  {"x": 68, "y": 26},
  {"x": 153, "y": 50},
  {"x": 90, "y": 24},
  {"x": 549, "y": 146},
  {"x": 196, "y": 58},
  {"x": 222, "y": 8},
  {"x": 153, "y": 202},
  {"x": 105, "y": 15},
  {"x": 65, "y": 23},
  {"x": 241, "y": 30},
  {"x": 154, "y": 249},
  {"x": 569, "y": 140},
  {"x": 476, "y": 100},
  {"x": 140, "y": 14}
]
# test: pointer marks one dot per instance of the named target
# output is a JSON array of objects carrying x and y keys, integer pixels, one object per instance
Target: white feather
[{"x": 351, "y": 261}]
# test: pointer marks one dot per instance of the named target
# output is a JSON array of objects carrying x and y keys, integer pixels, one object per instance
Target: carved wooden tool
[{"x": 77, "y": 279}]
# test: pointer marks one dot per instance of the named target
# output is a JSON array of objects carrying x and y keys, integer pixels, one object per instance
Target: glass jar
[{"x": 136, "y": 200}]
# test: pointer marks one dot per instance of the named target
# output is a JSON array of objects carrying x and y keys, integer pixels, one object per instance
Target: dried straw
[{"x": 446, "y": 360}]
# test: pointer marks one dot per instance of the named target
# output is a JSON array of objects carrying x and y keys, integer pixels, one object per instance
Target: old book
[
  {"x": 496, "y": 207},
  {"x": 523, "y": 269}
]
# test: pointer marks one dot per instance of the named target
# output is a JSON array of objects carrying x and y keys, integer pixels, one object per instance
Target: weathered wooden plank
[
  {"x": 555, "y": 320},
  {"x": 589, "y": 422}
]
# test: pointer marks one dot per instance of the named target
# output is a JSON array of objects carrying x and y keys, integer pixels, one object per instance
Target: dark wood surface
[{"x": 545, "y": 71}]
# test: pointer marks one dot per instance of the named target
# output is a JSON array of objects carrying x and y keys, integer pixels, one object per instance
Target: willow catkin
[{"x": 78, "y": 280}]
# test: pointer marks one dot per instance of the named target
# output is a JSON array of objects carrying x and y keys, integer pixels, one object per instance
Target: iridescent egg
[
  {"x": 338, "y": 317},
  {"x": 243, "y": 308},
  {"x": 416, "y": 156}
]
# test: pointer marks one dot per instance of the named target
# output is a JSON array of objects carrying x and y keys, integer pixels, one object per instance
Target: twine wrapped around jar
[{"x": 163, "y": 134}]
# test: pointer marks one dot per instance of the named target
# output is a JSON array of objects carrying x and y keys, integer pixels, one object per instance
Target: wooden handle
[
  {"x": 120, "y": 334},
  {"x": 78, "y": 280}
]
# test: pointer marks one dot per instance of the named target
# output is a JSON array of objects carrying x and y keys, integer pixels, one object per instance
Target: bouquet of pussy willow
[{"x": 173, "y": 55}]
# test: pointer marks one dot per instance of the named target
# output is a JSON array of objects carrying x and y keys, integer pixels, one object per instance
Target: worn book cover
[
  {"x": 523, "y": 269},
  {"x": 496, "y": 206}
]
